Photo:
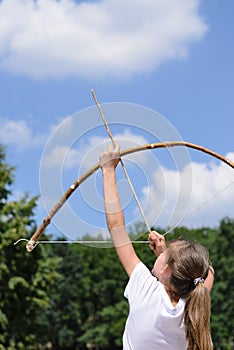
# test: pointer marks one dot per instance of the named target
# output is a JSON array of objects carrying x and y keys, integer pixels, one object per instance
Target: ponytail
[
  {"x": 189, "y": 265},
  {"x": 197, "y": 319}
]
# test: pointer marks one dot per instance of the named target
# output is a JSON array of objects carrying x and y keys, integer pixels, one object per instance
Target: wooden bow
[{"x": 168, "y": 144}]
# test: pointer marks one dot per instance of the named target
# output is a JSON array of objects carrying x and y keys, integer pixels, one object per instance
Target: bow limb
[
  {"x": 33, "y": 240},
  {"x": 168, "y": 144}
]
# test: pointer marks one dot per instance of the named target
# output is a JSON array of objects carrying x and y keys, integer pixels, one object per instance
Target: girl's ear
[{"x": 166, "y": 271}]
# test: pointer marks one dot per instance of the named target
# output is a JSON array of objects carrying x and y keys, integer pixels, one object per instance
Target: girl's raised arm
[{"x": 114, "y": 212}]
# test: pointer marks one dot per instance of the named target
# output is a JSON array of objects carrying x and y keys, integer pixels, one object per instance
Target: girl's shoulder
[{"x": 142, "y": 283}]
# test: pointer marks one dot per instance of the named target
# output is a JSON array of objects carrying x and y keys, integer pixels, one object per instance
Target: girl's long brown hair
[{"x": 188, "y": 261}]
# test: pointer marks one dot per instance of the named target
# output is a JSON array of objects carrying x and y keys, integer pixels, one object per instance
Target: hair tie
[{"x": 199, "y": 280}]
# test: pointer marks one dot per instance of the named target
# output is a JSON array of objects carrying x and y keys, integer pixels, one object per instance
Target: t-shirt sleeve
[{"x": 140, "y": 282}]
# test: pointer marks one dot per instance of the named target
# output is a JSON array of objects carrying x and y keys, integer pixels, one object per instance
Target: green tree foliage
[
  {"x": 223, "y": 290},
  {"x": 25, "y": 278}
]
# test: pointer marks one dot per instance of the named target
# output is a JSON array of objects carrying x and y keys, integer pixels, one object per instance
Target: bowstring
[{"x": 76, "y": 242}]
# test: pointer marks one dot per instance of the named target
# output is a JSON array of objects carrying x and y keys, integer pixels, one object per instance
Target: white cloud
[
  {"x": 209, "y": 199},
  {"x": 49, "y": 38},
  {"x": 19, "y": 134}
]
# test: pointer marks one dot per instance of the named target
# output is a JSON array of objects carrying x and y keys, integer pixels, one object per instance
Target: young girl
[{"x": 170, "y": 307}]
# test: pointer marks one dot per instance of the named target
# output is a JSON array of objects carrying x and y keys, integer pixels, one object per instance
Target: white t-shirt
[{"x": 153, "y": 322}]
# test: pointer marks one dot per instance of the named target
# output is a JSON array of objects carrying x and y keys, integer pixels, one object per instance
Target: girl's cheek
[
  {"x": 156, "y": 270},
  {"x": 153, "y": 271}
]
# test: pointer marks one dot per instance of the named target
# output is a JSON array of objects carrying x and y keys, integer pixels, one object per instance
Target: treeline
[{"x": 71, "y": 296}]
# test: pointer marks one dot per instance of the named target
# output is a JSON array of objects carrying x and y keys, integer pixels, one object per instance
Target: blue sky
[{"x": 160, "y": 69}]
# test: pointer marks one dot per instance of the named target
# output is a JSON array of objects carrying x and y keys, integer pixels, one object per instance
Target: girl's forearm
[{"x": 114, "y": 213}]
